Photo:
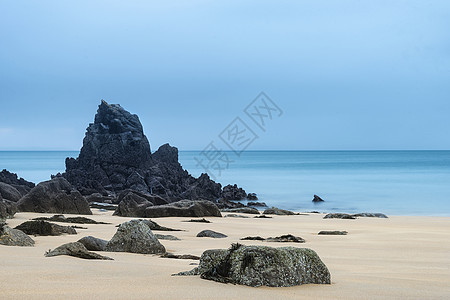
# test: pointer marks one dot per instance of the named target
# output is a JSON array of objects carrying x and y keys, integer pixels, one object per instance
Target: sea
[{"x": 390, "y": 182}]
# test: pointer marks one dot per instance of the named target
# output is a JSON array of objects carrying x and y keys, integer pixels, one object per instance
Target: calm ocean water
[{"x": 392, "y": 182}]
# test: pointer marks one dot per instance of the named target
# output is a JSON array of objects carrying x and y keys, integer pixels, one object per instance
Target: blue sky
[{"x": 347, "y": 74}]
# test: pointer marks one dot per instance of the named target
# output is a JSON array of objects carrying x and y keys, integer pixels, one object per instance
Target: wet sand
[{"x": 399, "y": 257}]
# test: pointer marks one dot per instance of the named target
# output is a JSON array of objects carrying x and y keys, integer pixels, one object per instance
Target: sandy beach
[{"x": 399, "y": 257}]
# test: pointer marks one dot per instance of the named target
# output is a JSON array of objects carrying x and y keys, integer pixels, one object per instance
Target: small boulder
[
  {"x": 287, "y": 238},
  {"x": 332, "y": 232},
  {"x": 236, "y": 216},
  {"x": 211, "y": 234},
  {"x": 202, "y": 220},
  {"x": 93, "y": 244},
  {"x": 278, "y": 211},
  {"x": 136, "y": 237},
  {"x": 77, "y": 250},
  {"x": 167, "y": 237},
  {"x": 339, "y": 216},
  {"x": 253, "y": 238},
  {"x": 45, "y": 228},
  {"x": 317, "y": 199},
  {"x": 243, "y": 210},
  {"x": 14, "y": 237}
]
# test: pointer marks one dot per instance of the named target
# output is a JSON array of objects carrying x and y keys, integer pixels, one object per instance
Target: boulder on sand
[
  {"x": 93, "y": 244},
  {"x": 14, "y": 237},
  {"x": 278, "y": 211},
  {"x": 211, "y": 234},
  {"x": 77, "y": 250},
  {"x": 54, "y": 196},
  {"x": 45, "y": 228},
  {"x": 339, "y": 216},
  {"x": 136, "y": 237},
  {"x": 262, "y": 266},
  {"x": 184, "y": 208}
]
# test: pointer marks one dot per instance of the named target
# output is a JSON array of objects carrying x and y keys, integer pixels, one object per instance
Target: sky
[{"x": 347, "y": 75}]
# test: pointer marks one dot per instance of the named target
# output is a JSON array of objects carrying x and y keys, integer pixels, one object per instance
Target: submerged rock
[
  {"x": 136, "y": 237},
  {"x": 317, "y": 199},
  {"x": 77, "y": 250},
  {"x": 93, "y": 244},
  {"x": 278, "y": 211},
  {"x": 339, "y": 216},
  {"x": 211, "y": 234},
  {"x": 45, "y": 228},
  {"x": 14, "y": 237},
  {"x": 54, "y": 196},
  {"x": 262, "y": 266}
]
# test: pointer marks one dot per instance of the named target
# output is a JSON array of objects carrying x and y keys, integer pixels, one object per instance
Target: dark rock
[
  {"x": 99, "y": 198},
  {"x": 116, "y": 156},
  {"x": 317, "y": 199},
  {"x": 12, "y": 179},
  {"x": 62, "y": 219},
  {"x": 243, "y": 210},
  {"x": 7, "y": 209},
  {"x": 313, "y": 212},
  {"x": 9, "y": 192},
  {"x": 14, "y": 237},
  {"x": 77, "y": 250},
  {"x": 253, "y": 238},
  {"x": 155, "y": 226},
  {"x": 54, "y": 196},
  {"x": 233, "y": 192},
  {"x": 93, "y": 244},
  {"x": 333, "y": 232},
  {"x": 225, "y": 204},
  {"x": 134, "y": 204},
  {"x": 263, "y": 217},
  {"x": 167, "y": 237},
  {"x": 104, "y": 206},
  {"x": 262, "y": 266},
  {"x": 184, "y": 208},
  {"x": 288, "y": 238},
  {"x": 211, "y": 234},
  {"x": 339, "y": 216},
  {"x": 257, "y": 204},
  {"x": 136, "y": 237},
  {"x": 371, "y": 215},
  {"x": 203, "y": 220},
  {"x": 183, "y": 256},
  {"x": 235, "y": 216},
  {"x": 252, "y": 196},
  {"x": 45, "y": 228},
  {"x": 278, "y": 211}
]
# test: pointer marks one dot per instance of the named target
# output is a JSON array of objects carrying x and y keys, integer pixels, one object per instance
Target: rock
[
  {"x": 93, "y": 244},
  {"x": 77, "y": 250},
  {"x": 134, "y": 204},
  {"x": 339, "y": 216},
  {"x": 136, "y": 237},
  {"x": 7, "y": 209},
  {"x": 257, "y": 204},
  {"x": 104, "y": 206},
  {"x": 12, "y": 179},
  {"x": 278, "y": 211},
  {"x": 45, "y": 228},
  {"x": 211, "y": 234},
  {"x": 14, "y": 237},
  {"x": 370, "y": 215},
  {"x": 253, "y": 238},
  {"x": 263, "y": 217},
  {"x": 54, "y": 196},
  {"x": 9, "y": 192},
  {"x": 225, "y": 204},
  {"x": 203, "y": 220},
  {"x": 233, "y": 192},
  {"x": 252, "y": 196},
  {"x": 183, "y": 256},
  {"x": 167, "y": 237},
  {"x": 288, "y": 238},
  {"x": 262, "y": 266},
  {"x": 99, "y": 198},
  {"x": 333, "y": 232},
  {"x": 317, "y": 199},
  {"x": 155, "y": 226},
  {"x": 235, "y": 216},
  {"x": 116, "y": 156},
  {"x": 62, "y": 219},
  {"x": 184, "y": 208},
  {"x": 243, "y": 210}
]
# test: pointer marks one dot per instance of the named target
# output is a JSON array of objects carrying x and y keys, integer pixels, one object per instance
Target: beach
[{"x": 399, "y": 257}]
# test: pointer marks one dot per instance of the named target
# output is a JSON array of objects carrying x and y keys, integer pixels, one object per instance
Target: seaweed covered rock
[
  {"x": 136, "y": 237},
  {"x": 77, "y": 250},
  {"x": 278, "y": 211},
  {"x": 93, "y": 244},
  {"x": 184, "y": 208},
  {"x": 14, "y": 237},
  {"x": 262, "y": 266},
  {"x": 339, "y": 216},
  {"x": 287, "y": 238},
  {"x": 45, "y": 228},
  {"x": 54, "y": 196}
]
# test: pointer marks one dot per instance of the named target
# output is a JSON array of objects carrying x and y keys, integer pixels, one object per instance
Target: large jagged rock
[
  {"x": 14, "y": 237},
  {"x": 12, "y": 179},
  {"x": 233, "y": 192},
  {"x": 7, "y": 208},
  {"x": 54, "y": 196},
  {"x": 45, "y": 228},
  {"x": 134, "y": 204},
  {"x": 262, "y": 266},
  {"x": 184, "y": 208},
  {"x": 77, "y": 250},
  {"x": 136, "y": 237}
]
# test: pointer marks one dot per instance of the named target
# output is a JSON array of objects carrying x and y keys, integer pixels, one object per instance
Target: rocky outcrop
[
  {"x": 257, "y": 204},
  {"x": 211, "y": 234},
  {"x": 45, "y": 228},
  {"x": 233, "y": 192},
  {"x": 14, "y": 237},
  {"x": 183, "y": 208},
  {"x": 317, "y": 199},
  {"x": 13, "y": 180},
  {"x": 252, "y": 196},
  {"x": 116, "y": 156},
  {"x": 136, "y": 237},
  {"x": 77, "y": 250},
  {"x": 93, "y": 244},
  {"x": 54, "y": 196},
  {"x": 278, "y": 211},
  {"x": 262, "y": 266}
]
